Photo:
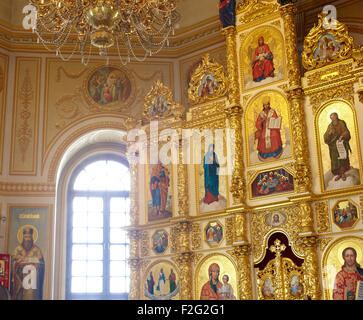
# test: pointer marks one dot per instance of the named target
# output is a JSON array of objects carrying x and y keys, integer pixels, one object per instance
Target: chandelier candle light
[{"x": 102, "y": 24}]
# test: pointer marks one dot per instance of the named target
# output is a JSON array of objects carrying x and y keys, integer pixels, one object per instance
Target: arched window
[{"x": 97, "y": 244}]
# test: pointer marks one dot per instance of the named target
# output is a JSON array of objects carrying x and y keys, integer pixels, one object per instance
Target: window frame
[{"x": 106, "y": 196}]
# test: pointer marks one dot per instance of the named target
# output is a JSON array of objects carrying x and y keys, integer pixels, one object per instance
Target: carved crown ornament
[
  {"x": 254, "y": 9},
  {"x": 208, "y": 81},
  {"x": 326, "y": 43},
  {"x": 159, "y": 104}
]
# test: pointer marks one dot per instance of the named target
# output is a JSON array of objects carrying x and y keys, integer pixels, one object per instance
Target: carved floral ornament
[
  {"x": 326, "y": 43},
  {"x": 254, "y": 9},
  {"x": 208, "y": 81},
  {"x": 159, "y": 103}
]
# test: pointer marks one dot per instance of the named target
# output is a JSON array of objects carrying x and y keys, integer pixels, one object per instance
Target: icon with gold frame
[
  {"x": 338, "y": 146},
  {"x": 214, "y": 233},
  {"x": 211, "y": 181},
  {"x": 272, "y": 182},
  {"x": 159, "y": 191},
  {"x": 160, "y": 241},
  {"x": 267, "y": 128},
  {"x": 345, "y": 214},
  {"x": 262, "y": 58},
  {"x": 208, "y": 81},
  {"x": 222, "y": 265},
  {"x": 323, "y": 46},
  {"x": 161, "y": 281},
  {"x": 333, "y": 263}
]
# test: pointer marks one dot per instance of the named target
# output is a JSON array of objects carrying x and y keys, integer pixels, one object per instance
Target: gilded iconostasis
[{"x": 262, "y": 201}]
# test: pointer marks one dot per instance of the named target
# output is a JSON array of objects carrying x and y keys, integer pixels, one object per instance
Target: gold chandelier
[{"x": 145, "y": 24}]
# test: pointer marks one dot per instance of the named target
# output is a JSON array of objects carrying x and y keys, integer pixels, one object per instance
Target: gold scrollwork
[
  {"x": 312, "y": 43},
  {"x": 196, "y": 236},
  {"x": 323, "y": 242},
  {"x": 328, "y": 74},
  {"x": 322, "y": 217},
  {"x": 159, "y": 103},
  {"x": 260, "y": 230},
  {"x": 242, "y": 254},
  {"x": 199, "y": 91},
  {"x": 145, "y": 248},
  {"x": 330, "y": 93},
  {"x": 255, "y": 9},
  {"x": 229, "y": 230}
]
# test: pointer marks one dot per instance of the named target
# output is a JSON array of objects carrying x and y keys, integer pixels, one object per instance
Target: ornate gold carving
[
  {"x": 134, "y": 236},
  {"x": 196, "y": 258},
  {"x": 24, "y": 132},
  {"x": 238, "y": 188},
  {"x": 159, "y": 103},
  {"x": 301, "y": 166},
  {"x": 280, "y": 271},
  {"x": 144, "y": 263},
  {"x": 361, "y": 205},
  {"x": 196, "y": 236},
  {"x": 183, "y": 229},
  {"x": 246, "y": 98},
  {"x": 330, "y": 93},
  {"x": 329, "y": 74},
  {"x": 242, "y": 255},
  {"x": 311, "y": 266},
  {"x": 311, "y": 43},
  {"x": 174, "y": 244},
  {"x": 134, "y": 293},
  {"x": 198, "y": 80},
  {"x": 229, "y": 230},
  {"x": 240, "y": 227},
  {"x": 323, "y": 242},
  {"x": 234, "y": 115},
  {"x": 277, "y": 248},
  {"x": 255, "y": 9},
  {"x": 259, "y": 229},
  {"x": 276, "y": 23},
  {"x": 243, "y": 36},
  {"x": 293, "y": 67},
  {"x": 232, "y": 66},
  {"x": 322, "y": 217},
  {"x": 358, "y": 55},
  {"x": 210, "y": 116},
  {"x": 184, "y": 262},
  {"x": 145, "y": 244},
  {"x": 183, "y": 201},
  {"x": 307, "y": 218}
]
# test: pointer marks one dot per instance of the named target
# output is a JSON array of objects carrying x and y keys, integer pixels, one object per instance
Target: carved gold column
[
  {"x": 233, "y": 110},
  {"x": 134, "y": 263},
  {"x": 183, "y": 208},
  {"x": 311, "y": 266},
  {"x": 295, "y": 96},
  {"x": 301, "y": 166},
  {"x": 184, "y": 261},
  {"x": 234, "y": 114},
  {"x": 242, "y": 255}
]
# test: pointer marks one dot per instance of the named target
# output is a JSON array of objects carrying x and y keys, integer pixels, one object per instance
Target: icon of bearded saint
[{"x": 28, "y": 256}]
